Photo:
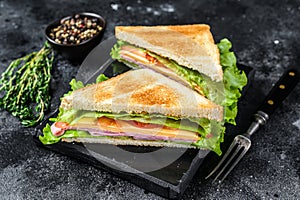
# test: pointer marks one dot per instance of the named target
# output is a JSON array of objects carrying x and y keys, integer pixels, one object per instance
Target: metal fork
[
  {"x": 242, "y": 143},
  {"x": 239, "y": 147}
]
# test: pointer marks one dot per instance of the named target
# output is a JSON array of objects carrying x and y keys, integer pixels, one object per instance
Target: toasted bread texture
[
  {"x": 191, "y": 46},
  {"x": 121, "y": 142},
  {"x": 143, "y": 91}
]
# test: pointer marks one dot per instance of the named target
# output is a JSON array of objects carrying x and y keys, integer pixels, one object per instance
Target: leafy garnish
[{"x": 24, "y": 86}]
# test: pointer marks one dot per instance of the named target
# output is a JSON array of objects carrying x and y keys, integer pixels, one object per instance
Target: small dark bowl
[{"x": 76, "y": 52}]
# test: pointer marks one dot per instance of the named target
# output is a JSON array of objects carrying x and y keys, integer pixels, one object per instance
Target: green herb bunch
[{"x": 24, "y": 86}]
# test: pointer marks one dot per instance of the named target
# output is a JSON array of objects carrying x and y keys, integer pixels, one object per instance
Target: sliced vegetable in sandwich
[
  {"x": 187, "y": 54},
  {"x": 139, "y": 107}
]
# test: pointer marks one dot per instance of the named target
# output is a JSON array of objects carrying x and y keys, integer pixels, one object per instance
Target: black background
[{"x": 265, "y": 36}]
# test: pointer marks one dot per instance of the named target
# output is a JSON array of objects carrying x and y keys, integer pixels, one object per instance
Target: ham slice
[{"x": 144, "y": 60}]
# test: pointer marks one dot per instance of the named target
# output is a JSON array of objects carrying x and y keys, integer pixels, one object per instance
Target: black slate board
[{"x": 168, "y": 180}]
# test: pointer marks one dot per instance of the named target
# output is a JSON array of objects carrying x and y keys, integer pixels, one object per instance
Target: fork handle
[
  {"x": 278, "y": 93},
  {"x": 281, "y": 90}
]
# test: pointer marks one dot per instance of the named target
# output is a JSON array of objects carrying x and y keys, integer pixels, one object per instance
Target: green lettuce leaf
[
  {"x": 213, "y": 140},
  {"x": 115, "y": 51},
  {"x": 48, "y": 137},
  {"x": 234, "y": 80},
  {"x": 101, "y": 78},
  {"x": 75, "y": 85}
]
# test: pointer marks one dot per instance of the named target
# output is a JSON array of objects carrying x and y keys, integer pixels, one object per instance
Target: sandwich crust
[
  {"x": 141, "y": 91},
  {"x": 191, "y": 46}
]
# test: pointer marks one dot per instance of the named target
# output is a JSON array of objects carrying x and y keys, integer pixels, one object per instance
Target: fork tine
[
  {"x": 234, "y": 164},
  {"x": 237, "y": 150},
  {"x": 222, "y": 160}
]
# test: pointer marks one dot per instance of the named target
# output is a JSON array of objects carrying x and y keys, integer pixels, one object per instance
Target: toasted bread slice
[
  {"x": 143, "y": 91},
  {"x": 132, "y": 142},
  {"x": 191, "y": 46}
]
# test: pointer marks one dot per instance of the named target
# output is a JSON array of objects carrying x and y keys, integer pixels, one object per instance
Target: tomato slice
[
  {"x": 58, "y": 128},
  {"x": 105, "y": 121},
  {"x": 145, "y": 125},
  {"x": 151, "y": 59},
  {"x": 61, "y": 125}
]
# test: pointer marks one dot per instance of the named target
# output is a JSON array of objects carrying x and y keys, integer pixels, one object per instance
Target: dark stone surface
[{"x": 265, "y": 36}]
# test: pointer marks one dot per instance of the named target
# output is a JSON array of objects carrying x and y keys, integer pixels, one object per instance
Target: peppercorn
[{"x": 75, "y": 30}]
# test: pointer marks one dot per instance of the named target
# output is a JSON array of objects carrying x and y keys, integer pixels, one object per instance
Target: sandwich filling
[
  {"x": 141, "y": 131},
  {"x": 104, "y": 126},
  {"x": 224, "y": 93},
  {"x": 202, "y": 133}
]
